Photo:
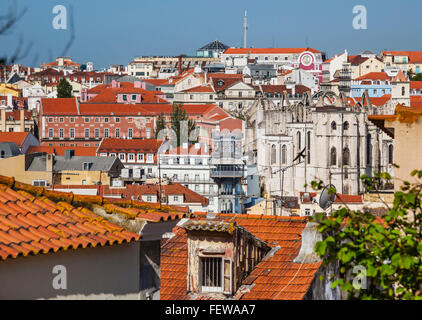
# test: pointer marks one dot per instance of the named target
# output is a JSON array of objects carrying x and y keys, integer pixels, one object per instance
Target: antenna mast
[{"x": 245, "y": 29}]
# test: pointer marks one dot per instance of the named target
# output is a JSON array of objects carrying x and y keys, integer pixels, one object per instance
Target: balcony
[{"x": 226, "y": 171}]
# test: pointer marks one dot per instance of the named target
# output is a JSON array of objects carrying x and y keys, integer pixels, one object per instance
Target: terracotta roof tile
[
  {"x": 30, "y": 225},
  {"x": 277, "y": 277}
]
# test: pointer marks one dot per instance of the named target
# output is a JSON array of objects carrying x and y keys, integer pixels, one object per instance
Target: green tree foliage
[
  {"x": 64, "y": 89},
  {"x": 160, "y": 125},
  {"x": 417, "y": 77},
  {"x": 388, "y": 247},
  {"x": 178, "y": 116}
]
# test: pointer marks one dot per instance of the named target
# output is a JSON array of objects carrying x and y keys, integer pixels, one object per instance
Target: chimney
[
  {"x": 310, "y": 236},
  {"x": 22, "y": 120},
  {"x": 68, "y": 154},
  {"x": 115, "y": 84},
  {"x": 49, "y": 163},
  {"x": 180, "y": 65},
  {"x": 3, "y": 121}
]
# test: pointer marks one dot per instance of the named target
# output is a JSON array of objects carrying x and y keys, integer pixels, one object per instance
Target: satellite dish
[{"x": 326, "y": 199}]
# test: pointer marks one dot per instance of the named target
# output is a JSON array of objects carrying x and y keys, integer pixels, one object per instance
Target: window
[
  {"x": 72, "y": 120},
  {"x": 124, "y": 98},
  {"x": 175, "y": 198},
  {"x": 346, "y": 157},
  {"x": 117, "y": 133},
  {"x": 39, "y": 183},
  {"x": 211, "y": 274},
  {"x": 196, "y": 187},
  {"x": 150, "y": 157},
  {"x": 86, "y": 120},
  {"x": 97, "y": 120},
  {"x": 122, "y": 156},
  {"x": 307, "y": 212},
  {"x": 333, "y": 125},
  {"x": 403, "y": 91},
  {"x": 333, "y": 157},
  {"x": 148, "y": 133},
  {"x": 106, "y": 120},
  {"x": 130, "y": 133},
  {"x": 86, "y": 133},
  {"x": 284, "y": 154},
  {"x": 72, "y": 133},
  {"x": 390, "y": 154},
  {"x": 131, "y": 157},
  {"x": 149, "y": 198},
  {"x": 346, "y": 126},
  {"x": 2, "y": 154},
  {"x": 11, "y": 129},
  {"x": 106, "y": 134},
  {"x": 61, "y": 133},
  {"x": 299, "y": 141},
  {"x": 61, "y": 120},
  {"x": 50, "y": 120},
  {"x": 86, "y": 166},
  {"x": 117, "y": 120},
  {"x": 140, "y": 157},
  {"x": 50, "y": 132},
  {"x": 273, "y": 154},
  {"x": 133, "y": 97},
  {"x": 97, "y": 133},
  {"x": 368, "y": 149}
]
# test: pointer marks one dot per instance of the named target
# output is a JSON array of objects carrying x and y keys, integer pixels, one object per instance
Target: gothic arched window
[
  {"x": 273, "y": 154},
  {"x": 298, "y": 141},
  {"x": 333, "y": 157},
  {"x": 346, "y": 126},
  {"x": 346, "y": 157}
]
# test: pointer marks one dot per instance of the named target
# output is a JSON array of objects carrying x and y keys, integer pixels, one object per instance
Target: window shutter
[{"x": 227, "y": 263}]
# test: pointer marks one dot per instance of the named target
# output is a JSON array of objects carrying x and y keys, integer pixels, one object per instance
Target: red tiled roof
[
  {"x": 269, "y": 50},
  {"x": 169, "y": 189},
  {"x": 356, "y": 60},
  {"x": 414, "y": 56},
  {"x": 157, "y": 82},
  {"x": 32, "y": 225},
  {"x": 15, "y": 137},
  {"x": 416, "y": 101},
  {"x": 59, "y": 106},
  {"x": 348, "y": 198},
  {"x": 203, "y": 88},
  {"x": 60, "y": 151},
  {"x": 130, "y": 145},
  {"x": 416, "y": 85},
  {"x": 109, "y": 95},
  {"x": 380, "y": 101},
  {"x": 276, "y": 277},
  {"x": 375, "y": 76}
]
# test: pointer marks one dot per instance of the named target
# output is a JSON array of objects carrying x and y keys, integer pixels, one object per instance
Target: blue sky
[{"x": 113, "y": 32}]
